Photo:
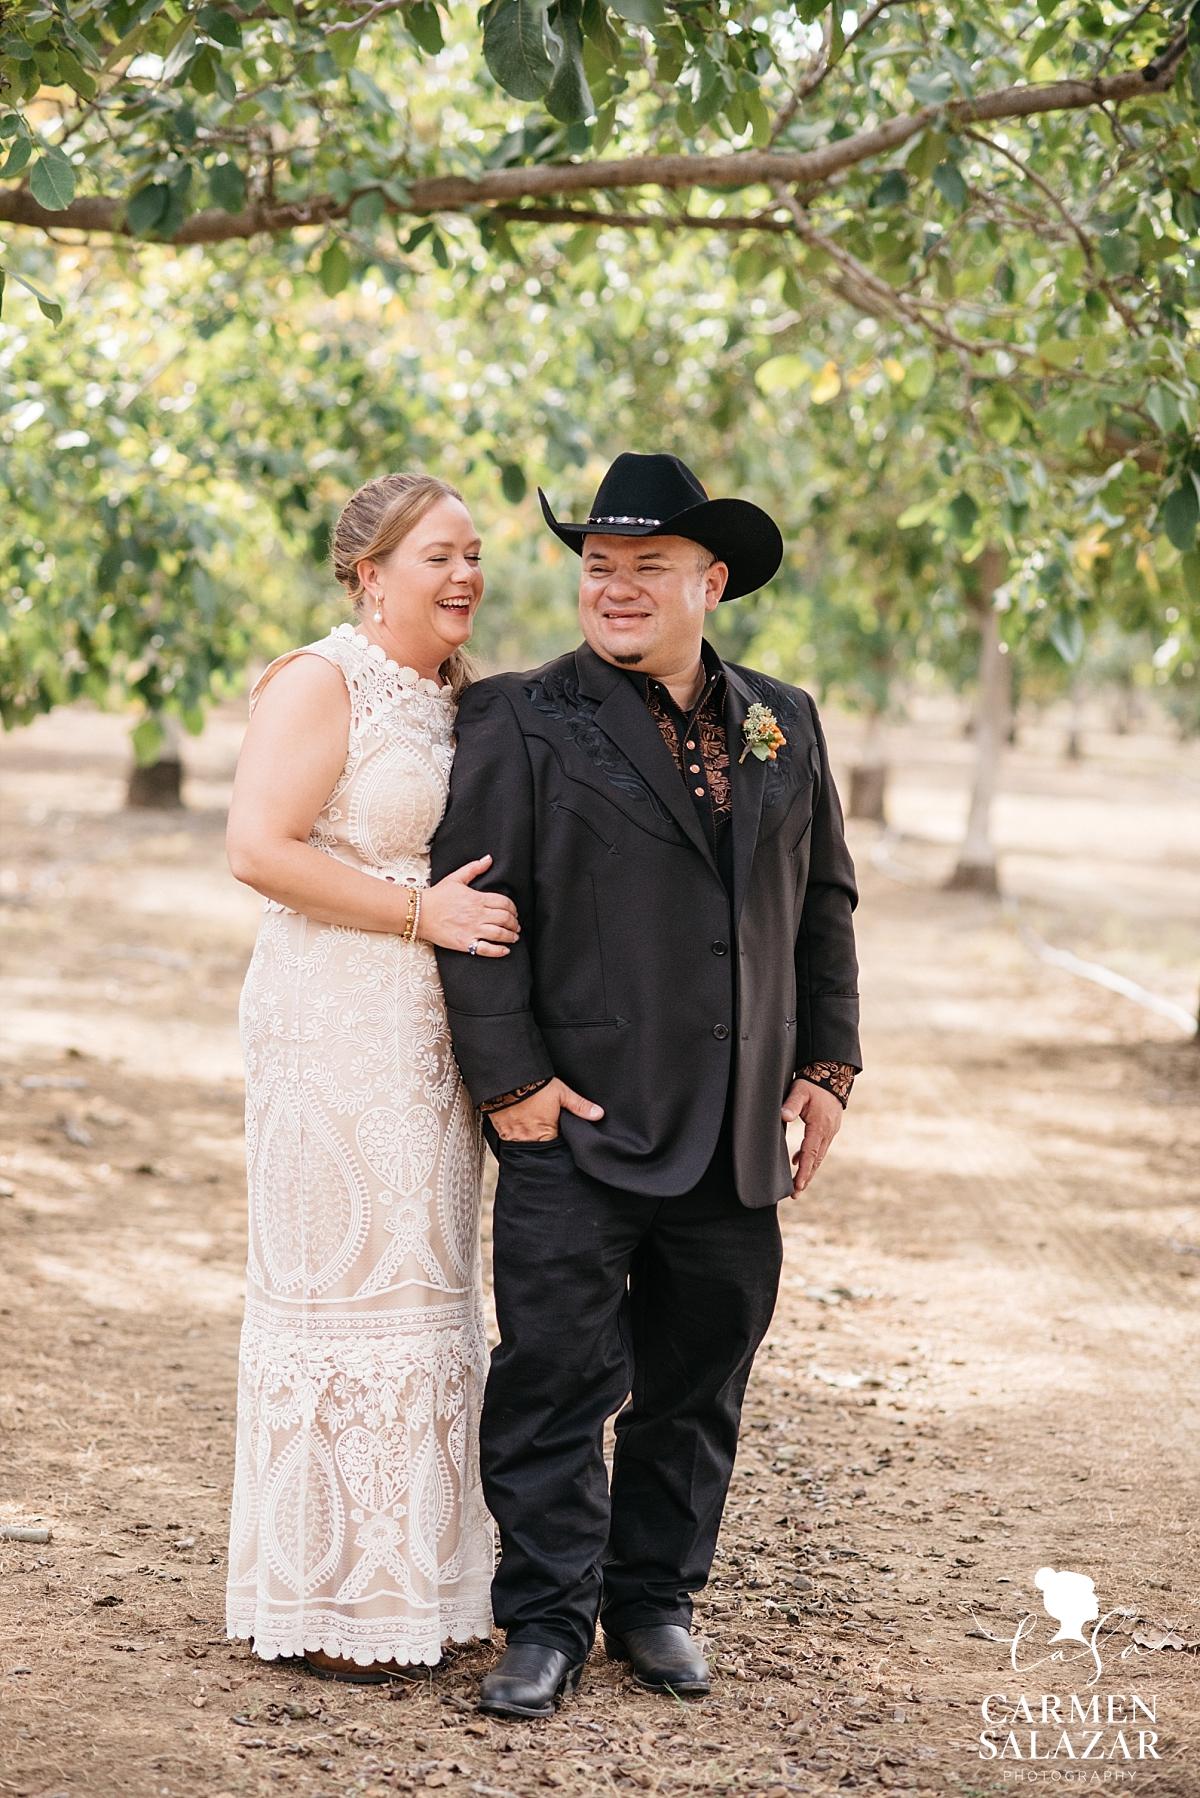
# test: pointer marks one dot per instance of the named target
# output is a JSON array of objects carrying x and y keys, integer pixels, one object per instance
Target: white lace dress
[{"x": 358, "y": 1521}]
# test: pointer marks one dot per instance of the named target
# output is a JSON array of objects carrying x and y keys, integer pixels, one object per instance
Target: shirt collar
[{"x": 714, "y": 675}]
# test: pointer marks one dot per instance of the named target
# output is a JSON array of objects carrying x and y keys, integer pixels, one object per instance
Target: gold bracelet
[{"x": 410, "y": 916}]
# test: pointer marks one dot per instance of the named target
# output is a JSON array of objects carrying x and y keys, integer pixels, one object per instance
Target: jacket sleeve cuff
[{"x": 498, "y": 1054}]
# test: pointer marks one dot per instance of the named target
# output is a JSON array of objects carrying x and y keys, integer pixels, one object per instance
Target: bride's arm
[{"x": 293, "y": 754}]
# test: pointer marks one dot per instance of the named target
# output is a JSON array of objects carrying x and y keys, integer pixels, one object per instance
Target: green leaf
[
  {"x": 1045, "y": 40},
  {"x": 569, "y": 99},
  {"x": 334, "y": 272},
  {"x": 759, "y": 117},
  {"x": 599, "y": 31},
  {"x": 1066, "y": 634},
  {"x": 513, "y": 483},
  {"x": 950, "y": 185},
  {"x": 930, "y": 150},
  {"x": 921, "y": 513},
  {"x": 343, "y": 47},
  {"x": 1119, "y": 254},
  {"x": 1059, "y": 352},
  {"x": 202, "y": 71},
  {"x": 74, "y": 74},
  {"x": 219, "y": 25},
  {"x": 52, "y": 180},
  {"x": 17, "y": 157},
  {"x": 424, "y": 24},
  {"x": 370, "y": 91},
  {"x": 1163, "y": 408},
  {"x": 651, "y": 13},
  {"x": 1181, "y": 514},
  {"x": 918, "y": 378},
  {"x": 514, "y": 47},
  {"x": 602, "y": 130},
  {"x": 782, "y": 374},
  {"x": 227, "y": 185},
  {"x": 1190, "y": 569},
  {"x": 963, "y": 514},
  {"x": 931, "y": 88},
  {"x": 48, "y": 307},
  {"x": 367, "y": 209},
  {"x": 891, "y": 191},
  {"x": 147, "y": 740},
  {"x": 441, "y": 254},
  {"x": 1001, "y": 416},
  {"x": 146, "y": 209}
]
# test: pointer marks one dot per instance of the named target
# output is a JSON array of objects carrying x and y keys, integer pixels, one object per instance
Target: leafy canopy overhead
[{"x": 1009, "y": 194}]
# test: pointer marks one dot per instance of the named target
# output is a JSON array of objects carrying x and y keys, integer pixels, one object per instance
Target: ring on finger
[{"x": 473, "y": 948}]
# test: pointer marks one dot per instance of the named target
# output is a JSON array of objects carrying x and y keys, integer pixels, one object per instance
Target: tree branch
[
  {"x": 745, "y": 168},
  {"x": 816, "y": 72},
  {"x": 637, "y": 221},
  {"x": 871, "y": 293}
]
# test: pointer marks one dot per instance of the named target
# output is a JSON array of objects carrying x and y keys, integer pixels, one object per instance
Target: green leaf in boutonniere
[{"x": 763, "y": 736}]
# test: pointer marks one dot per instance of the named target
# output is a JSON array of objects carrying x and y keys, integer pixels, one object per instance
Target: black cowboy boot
[
  {"x": 664, "y": 1658},
  {"x": 528, "y": 1681}
]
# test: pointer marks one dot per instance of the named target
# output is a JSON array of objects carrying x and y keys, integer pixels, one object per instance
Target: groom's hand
[
  {"x": 535, "y": 1119},
  {"x": 821, "y": 1115}
]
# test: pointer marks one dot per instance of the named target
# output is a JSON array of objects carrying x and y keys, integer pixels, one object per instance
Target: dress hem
[{"x": 295, "y": 1647}]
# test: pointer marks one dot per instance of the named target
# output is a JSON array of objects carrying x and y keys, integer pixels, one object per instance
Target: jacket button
[
  {"x": 720, "y": 948},
  {"x": 720, "y": 1031}
]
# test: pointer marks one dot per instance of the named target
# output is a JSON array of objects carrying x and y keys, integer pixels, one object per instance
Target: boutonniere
[{"x": 764, "y": 739}]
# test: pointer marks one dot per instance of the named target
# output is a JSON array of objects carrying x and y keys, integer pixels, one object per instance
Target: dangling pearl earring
[{"x": 379, "y": 608}]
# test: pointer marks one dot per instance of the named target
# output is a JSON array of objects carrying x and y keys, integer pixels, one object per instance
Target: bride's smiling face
[{"x": 428, "y": 589}]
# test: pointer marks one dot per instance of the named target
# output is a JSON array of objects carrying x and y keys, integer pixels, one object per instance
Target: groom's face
[{"x": 643, "y": 600}]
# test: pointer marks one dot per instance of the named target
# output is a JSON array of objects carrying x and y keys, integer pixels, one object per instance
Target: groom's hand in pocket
[{"x": 535, "y": 1119}]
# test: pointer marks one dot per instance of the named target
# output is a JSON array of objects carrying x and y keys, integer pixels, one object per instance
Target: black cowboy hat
[{"x": 659, "y": 496}]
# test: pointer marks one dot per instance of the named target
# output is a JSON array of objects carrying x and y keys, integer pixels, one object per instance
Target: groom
[{"x": 684, "y": 986}]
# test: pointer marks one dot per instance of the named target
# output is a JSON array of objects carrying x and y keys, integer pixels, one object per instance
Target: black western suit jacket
[{"x": 637, "y": 979}]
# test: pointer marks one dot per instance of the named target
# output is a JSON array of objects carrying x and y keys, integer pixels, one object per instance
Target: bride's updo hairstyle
[{"x": 373, "y": 521}]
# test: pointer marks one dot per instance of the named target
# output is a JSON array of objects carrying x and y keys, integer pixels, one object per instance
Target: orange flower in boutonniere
[{"x": 763, "y": 736}]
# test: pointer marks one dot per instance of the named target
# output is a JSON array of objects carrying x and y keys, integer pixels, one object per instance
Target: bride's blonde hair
[{"x": 373, "y": 521}]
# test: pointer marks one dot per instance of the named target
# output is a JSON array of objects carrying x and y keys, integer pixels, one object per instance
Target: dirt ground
[{"x": 984, "y": 1361}]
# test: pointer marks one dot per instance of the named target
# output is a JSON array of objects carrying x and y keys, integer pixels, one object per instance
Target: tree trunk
[
  {"x": 159, "y": 786},
  {"x": 1074, "y": 749},
  {"x": 868, "y": 778},
  {"x": 976, "y": 870}
]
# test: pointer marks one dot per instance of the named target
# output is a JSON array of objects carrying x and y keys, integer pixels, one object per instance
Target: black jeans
[{"x": 609, "y": 1300}]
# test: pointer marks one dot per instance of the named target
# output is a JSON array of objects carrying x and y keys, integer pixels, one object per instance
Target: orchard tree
[{"x": 1008, "y": 194}]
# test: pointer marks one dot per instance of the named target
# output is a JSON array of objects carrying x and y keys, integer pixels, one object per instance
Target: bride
[{"x": 359, "y": 1537}]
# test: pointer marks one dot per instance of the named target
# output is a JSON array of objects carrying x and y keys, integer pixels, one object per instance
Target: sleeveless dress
[{"x": 359, "y": 1526}]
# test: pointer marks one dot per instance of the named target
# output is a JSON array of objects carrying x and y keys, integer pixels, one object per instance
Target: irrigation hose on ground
[{"x": 881, "y": 858}]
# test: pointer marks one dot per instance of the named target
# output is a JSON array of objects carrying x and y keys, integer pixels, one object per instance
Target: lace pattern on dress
[{"x": 359, "y": 1526}]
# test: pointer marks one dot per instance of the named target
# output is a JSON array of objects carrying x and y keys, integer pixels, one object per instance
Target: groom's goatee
[{"x": 627, "y": 661}]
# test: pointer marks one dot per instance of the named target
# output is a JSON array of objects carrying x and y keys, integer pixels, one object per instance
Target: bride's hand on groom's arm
[
  {"x": 454, "y": 915},
  {"x": 535, "y": 1119}
]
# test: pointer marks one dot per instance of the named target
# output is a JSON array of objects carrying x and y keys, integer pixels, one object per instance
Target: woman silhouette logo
[{"x": 1070, "y": 1598}]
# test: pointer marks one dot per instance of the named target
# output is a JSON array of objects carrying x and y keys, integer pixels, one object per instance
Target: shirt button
[
  {"x": 695, "y": 767},
  {"x": 690, "y": 746},
  {"x": 720, "y": 948},
  {"x": 699, "y": 792},
  {"x": 720, "y": 1031}
]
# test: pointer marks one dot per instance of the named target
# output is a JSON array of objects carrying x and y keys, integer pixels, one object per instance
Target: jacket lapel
[
  {"x": 625, "y": 720},
  {"x": 747, "y": 780}
]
